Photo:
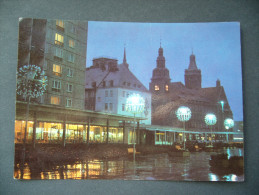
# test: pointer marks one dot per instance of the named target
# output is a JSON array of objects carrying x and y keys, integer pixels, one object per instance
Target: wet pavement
[{"x": 148, "y": 167}]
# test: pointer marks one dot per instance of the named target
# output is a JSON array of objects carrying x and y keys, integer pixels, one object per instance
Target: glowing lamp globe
[
  {"x": 229, "y": 123},
  {"x": 135, "y": 104},
  {"x": 183, "y": 113},
  {"x": 210, "y": 119}
]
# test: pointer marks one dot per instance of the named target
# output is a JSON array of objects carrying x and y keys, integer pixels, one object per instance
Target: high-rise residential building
[{"x": 59, "y": 48}]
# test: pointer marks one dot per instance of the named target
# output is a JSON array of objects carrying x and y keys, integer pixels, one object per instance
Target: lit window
[
  {"x": 55, "y": 100},
  {"x": 69, "y": 87},
  {"x": 60, "y": 23},
  {"x": 111, "y": 93},
  {"x": 166, "y": 87},
  {"x": 69, "y": 103},
  {"x": 57, "y": 70},
  {"x": 56, "y": 84},
  {"x": 59, "y": 39},
  {"x": 59, "y": 52},
  {"x": 156, "y": 88},
  {"x": 71, "y": 57},
  {"x": 123, "y": 107},
  {"x": 106, "y": 93},
  {"x": 71, "y": 43},
  {"x": 111, "y": 106},
  {"x": 106, "y": 106},
  {"x": 70, "y": 72}
]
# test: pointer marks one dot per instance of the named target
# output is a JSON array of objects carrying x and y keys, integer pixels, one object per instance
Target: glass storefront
[
  {"x": 49, "y": 132},
  {"x": 75, "y": 133},
  {"x": 115, "y": 135},
  {"x": 20, "y": 130}
]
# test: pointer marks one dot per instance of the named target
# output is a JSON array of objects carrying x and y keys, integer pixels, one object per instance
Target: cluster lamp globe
[
  {"x": 135, "y": 104},
  {"x": 210, "y": 119},
  {"x": 183, "y": 114},
  {"x": 229, "y": 123}
]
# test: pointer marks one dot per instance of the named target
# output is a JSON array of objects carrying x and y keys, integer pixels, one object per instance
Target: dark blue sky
[{"x": 215, "y": 45}]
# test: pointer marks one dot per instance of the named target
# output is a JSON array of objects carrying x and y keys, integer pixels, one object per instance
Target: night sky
[{"x": 216, "y": 47}]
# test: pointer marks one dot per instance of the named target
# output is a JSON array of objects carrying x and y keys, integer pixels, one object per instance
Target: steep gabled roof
[{"x": 122, "y": 77}]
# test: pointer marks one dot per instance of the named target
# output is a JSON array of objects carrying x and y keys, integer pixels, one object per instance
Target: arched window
[{"x": 166, "y": 88}]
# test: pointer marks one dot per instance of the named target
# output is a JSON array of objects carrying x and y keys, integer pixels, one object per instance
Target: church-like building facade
[{"x": 168, "y": 96}]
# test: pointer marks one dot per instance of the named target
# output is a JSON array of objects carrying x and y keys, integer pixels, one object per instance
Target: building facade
[
  {"x": 168, "y": 96},
  {"x": 108, "y": 85}
]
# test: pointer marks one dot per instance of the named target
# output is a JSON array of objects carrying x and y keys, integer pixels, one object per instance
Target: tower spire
[{"x": 124, "y": 57}]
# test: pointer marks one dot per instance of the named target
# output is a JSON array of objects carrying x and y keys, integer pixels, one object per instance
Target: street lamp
[
  {"x": 229, "y": 123},
  {"x": 135, "y": 104},
  {"x": 31, "y": 83},
  {"x": 183, "y": 114},
  {"x": 210, "y": 119}
]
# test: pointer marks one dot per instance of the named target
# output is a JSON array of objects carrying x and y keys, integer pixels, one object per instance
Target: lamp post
[
  {"x": 31, "y": 83},
  {"x": 183, "y": 114},
  {"x": 229, "y": 123},
  {"x": 210, "y": 119},
  {"x": 135, "y": 104}
]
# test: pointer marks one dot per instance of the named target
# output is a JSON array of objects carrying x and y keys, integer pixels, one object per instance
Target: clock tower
[{"x": 160, "y": 80}]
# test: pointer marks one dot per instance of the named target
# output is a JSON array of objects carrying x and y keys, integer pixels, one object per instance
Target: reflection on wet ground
[{"x": 148, "y": 167}]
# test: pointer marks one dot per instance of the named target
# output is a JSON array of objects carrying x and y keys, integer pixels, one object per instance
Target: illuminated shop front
[
  {"x": 20, "y": 129},
  {"x": 75, "y": 133}
]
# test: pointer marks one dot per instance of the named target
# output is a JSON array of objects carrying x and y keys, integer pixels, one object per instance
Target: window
[
  {"x": 156, "y": 88},
  {"x": 111, "y": 93},
  {"x": 69, "y": 103},
  {"x": 59, "y": 52},
  {"x": 93, "y": 84},
  {"x": 73, "y": 29},
  {"x": 124, "y": 83},
  {"x": 57, "y": 70},
  {"x": 99, "y": 99},
  {"x": 70, "y": 72},
  {"x": 69, "y": 87},
  {"x": 106, "y": 93},
  {"x": 60, "y": 23},
  {"x": 59, "y": 39},
  {"x": 134, "y": 85},
  {"x": 123, "y": 94},
  {"x": 71, "y": 43},
  {"x": 106, "y": 106},
  {"x": 104, "y": 84},
  {"x": 71, "y": 57},
  {"x": 111, "y": 83},
  {"x": 56, "y": 84},
  {"x": 127, "y": 95},
  {"x": 111, "y": 106},
  {"x": 55, "y": 100},
  {"x": 166, "y": 88},
  {"x": 123, "y": 107},
  {"x": 128, "y": 84}
]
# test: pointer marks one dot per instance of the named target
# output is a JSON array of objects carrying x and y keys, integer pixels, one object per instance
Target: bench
[{"x": 130, "y": 151}]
